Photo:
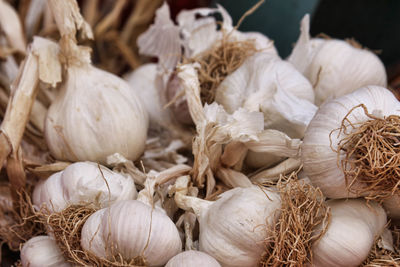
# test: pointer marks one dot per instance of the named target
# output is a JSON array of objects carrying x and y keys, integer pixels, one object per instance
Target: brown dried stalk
[
  {"x": 303, "y": 209},
  {"x": 15, "y": 120},
  {"x": 372, "y": 154}
]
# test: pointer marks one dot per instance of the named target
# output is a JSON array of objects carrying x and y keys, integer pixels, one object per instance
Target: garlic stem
[
  {"x": 68, "y": 18},
  {"x": 192, "y": 203}
]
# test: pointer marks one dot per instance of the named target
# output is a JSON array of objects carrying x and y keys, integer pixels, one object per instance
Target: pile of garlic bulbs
[{"x": 221, "y": 153}]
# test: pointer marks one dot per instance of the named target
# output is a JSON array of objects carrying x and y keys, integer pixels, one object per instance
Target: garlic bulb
[
  {"x": 143, "y": 81},
  {"x": 258, "y": 74},
  {"x": 233, "y": 228},
  {"x": 351, "y": 233},
  {"x": 146, "y": 232},
  {"x": 83, "y": 183},
  {"x": 265, "y": 83},
  {"x": 42, "y": 251},
  {"x": 192, "y": 258},
  {"x": 320, "y": 161},
  {"x": 96, "y": 114},
  {"x": 335, "y": 67}
]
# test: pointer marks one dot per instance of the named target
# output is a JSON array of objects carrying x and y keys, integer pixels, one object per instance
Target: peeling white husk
[
  {"x": 335, "y": 67},
  {"x": 196, "y": 32},
  {"x": 274, "y": 87},
  {"x": 95, "y": 114},
  {"x": 192, "y": 258},
  {"x": 248, "y": 213},
  {"x": 42, "y": 251},
  {"x": 83, "y": 183},
  {"x": 318, "y": 151},
  {"x": 351, "y": 233}
]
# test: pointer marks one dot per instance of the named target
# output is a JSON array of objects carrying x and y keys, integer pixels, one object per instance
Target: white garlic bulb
[
  {"x": 256, "y": 78},
  {"x": 192, "y": 258},
  {"x": 233, "y": 228},
  {"x": 320, "y": 161},
  {"x": 351, "y": 233},
  {"x": 83, "y": 183},
  {"x": 335, "y": 67},
  {"x": 95, "y": 114},
  {"x": 146, "y": 85},
  {"x": 42, "y": 251},
  {"x": 267, "y": 84},
  {"x": 132, "y": 228}
]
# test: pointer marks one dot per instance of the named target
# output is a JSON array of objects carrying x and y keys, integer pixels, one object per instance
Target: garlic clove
[
  {"x": 147, "y": 232},
  {"x": 42, "y": 251},
  {"x": 192, "y": 258},
  {"x": 95, "y": 115},
  {"x": 351, "y": 233},
  {"x": 83, "y": 183},
  {"x": 318, "y": 151}
]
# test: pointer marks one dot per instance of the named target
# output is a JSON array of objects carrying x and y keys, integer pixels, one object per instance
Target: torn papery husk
[{"x": 216, "y": 128}]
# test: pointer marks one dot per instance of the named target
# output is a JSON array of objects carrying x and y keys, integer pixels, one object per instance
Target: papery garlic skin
[
  {"x": 319, "y": 159},
  {"x": 83, "y": 183},
  {"x": 135, "y": 229},
  {"x": 96, "y": 114},
  {"x": 192, "y": 258},
  {"x": 351, "y": 233},
  {"x": 234, "y": 227},
  {"x": 267, "y": 84},
  {"x": 335, "y": 67},
  {"x": 42, "y": 251}
]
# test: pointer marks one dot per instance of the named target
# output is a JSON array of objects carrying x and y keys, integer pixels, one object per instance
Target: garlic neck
[{"x": 199, "y": 206}]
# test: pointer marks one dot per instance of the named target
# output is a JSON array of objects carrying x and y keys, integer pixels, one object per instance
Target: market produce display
[{"x": 147, "y": 140}]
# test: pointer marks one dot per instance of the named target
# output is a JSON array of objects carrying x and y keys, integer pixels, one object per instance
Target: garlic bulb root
[
  {"x": 65, "y": 228},
  {"x": 319, "y": 150},
  {"x": 302, "y": 210},
  {"x": 215, "y": 65},
  {"x": 372, "y": 153}
]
